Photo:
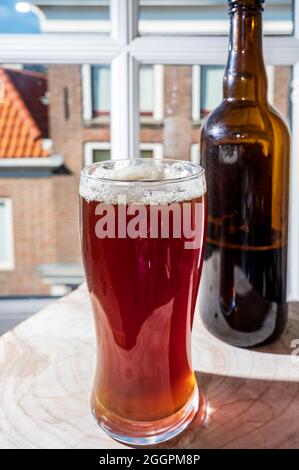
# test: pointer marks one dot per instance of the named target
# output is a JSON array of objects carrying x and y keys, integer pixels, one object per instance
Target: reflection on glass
[
  {"x": 202, "y": 17},
  {"x": 52, "y": 16}
]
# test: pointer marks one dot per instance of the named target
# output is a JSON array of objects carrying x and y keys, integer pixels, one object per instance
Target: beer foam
[{"x": 141, "y": 182}]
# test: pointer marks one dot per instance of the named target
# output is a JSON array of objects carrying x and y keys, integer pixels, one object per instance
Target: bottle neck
[{"x": 245, "y": 74}]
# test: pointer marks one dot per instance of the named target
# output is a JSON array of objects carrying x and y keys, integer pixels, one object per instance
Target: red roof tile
[{"x": 23, "y": 116}]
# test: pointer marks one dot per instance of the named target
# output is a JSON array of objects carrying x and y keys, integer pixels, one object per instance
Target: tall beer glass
[{"x": 143, "y": 226}]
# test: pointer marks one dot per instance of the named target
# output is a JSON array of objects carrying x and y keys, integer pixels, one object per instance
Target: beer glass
[{"x": 143, "y": 225}]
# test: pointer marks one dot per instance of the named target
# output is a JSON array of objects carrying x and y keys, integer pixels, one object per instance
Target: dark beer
[
  {"x": 245, "y": 152},
  {"x": 143, "y": 292}
]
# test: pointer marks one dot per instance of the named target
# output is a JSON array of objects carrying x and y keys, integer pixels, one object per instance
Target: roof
[{"x": 23, "y": 115}]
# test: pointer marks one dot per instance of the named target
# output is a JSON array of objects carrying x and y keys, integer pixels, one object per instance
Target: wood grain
[{"x": 47, "y": 366}]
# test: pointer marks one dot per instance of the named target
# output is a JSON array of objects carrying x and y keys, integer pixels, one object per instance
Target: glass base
[{"x": 150, "y": 432}]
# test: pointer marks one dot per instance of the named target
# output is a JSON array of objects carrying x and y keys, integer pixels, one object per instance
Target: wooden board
[{"x": 47, "y": 366}]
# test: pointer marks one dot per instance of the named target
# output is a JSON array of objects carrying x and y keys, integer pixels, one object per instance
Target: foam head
[{"x": 142, "y": 181}]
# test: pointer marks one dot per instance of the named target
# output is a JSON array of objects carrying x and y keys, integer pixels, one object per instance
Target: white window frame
[
  {"x": 86, "y": 92},
  {"x": 156, "y": 148},
  {"x": 195, "y": 153},
  {"x": 9, "y": 263},
  {"x": 158, "y": 111},
  {"x": 124, "y": 50},
  {"x": 89, "y": 147}
]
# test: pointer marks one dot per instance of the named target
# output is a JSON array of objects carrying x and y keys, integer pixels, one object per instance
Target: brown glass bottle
[{"x": 245, "y": 146}]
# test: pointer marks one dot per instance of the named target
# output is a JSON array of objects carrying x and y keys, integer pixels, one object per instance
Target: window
[
  {"x": 6, "y": 235},
  {"x": 151, "y": 86},
  {"x": 207, "y": 89},
  {"x": 100, "y": 155},
  {"x": 195, "y": 153},
  {"x": 210, "y": 88},
  {"x": 96, "y": 152},
  {"x": 96, "y": 92},
  {"x": 100, "y": 151},
  {"x": 151, "y": 150},
  {"x": 100, "y": 78}
]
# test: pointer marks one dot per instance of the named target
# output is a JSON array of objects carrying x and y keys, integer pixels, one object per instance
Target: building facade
[{"x": 55, "y": 121}]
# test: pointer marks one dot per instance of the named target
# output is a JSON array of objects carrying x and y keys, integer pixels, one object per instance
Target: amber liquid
[
  {"x": 143, "y": 294},
  {"x": 245, "y": 271}
]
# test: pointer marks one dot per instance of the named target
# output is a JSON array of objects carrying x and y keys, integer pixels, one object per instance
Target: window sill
[
  {"x": 150, "y": 122},
  {"x": 96, "y": 123},
  {"x": 196, "y": 124}
]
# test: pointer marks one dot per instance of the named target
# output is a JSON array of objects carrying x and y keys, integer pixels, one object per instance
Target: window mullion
[
  {"x": 124, "y": 107},
  {"x": 124, "y": 82},
  {"x": 124, "y": 20}
]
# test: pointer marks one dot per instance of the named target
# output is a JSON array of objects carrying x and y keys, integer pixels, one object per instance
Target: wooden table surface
[{"x": 47, "y": 366}]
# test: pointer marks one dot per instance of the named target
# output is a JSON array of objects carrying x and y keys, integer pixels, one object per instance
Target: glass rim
[{"x": 199, "y": 171}]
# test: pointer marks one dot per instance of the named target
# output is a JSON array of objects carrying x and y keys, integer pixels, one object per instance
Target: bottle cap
[
  {"x": 245, "y": 2},
  {"x": 234, "y": 5}
]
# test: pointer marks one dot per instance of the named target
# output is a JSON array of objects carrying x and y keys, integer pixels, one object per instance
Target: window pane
[
  {"x": 101, "y": 155},
  {"x": 146, "y": 85},
  {"x": 96, "y": 94},
  {"x": 211, "y": 88},
  {"x": 100, "y": 83},
  {"x": 202, "y": 17},
  {"x": 146, "y": 153},
  {"x": 52, "y": 16}
]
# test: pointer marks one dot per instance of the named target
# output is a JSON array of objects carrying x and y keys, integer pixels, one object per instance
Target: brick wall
[
  {"x": 177, "y": 112},
  {"x": 69, "y": 135},
  {"x": 282, "y": 82},
  {"x": 35, "y": 239}
]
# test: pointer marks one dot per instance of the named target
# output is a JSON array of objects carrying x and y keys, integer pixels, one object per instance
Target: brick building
[
  {"x": 54, "y": 122},
  {"x": 47, "y": 136}
]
